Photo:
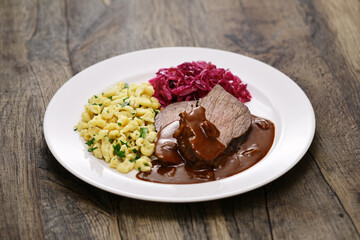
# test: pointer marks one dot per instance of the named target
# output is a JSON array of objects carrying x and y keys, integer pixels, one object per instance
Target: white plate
[{"x": 275, "y": 96}]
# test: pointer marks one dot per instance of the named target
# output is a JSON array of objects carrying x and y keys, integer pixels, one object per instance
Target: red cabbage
[{"x": 193, "y": 80}]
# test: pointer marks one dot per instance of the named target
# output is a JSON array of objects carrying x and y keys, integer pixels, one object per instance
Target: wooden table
[{"x": 316, "y": 43}]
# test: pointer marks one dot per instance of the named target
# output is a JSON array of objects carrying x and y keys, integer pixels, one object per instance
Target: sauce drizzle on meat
[
  {"x": 256, "y": 145},
  {"x": 197, "y": 139}
]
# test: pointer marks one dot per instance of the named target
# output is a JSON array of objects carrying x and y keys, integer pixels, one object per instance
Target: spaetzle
[{"x": 118, "y": 126}]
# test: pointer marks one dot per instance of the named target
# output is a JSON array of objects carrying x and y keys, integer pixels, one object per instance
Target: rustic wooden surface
[{"x": 45, "y": 42}]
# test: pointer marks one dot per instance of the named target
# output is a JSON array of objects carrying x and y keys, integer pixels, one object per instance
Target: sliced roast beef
[
  {"x": 231, "y": 117},
  {"x": 171, "y": 113}
]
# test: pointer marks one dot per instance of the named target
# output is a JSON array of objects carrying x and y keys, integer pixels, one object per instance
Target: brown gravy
[
  {"x": 197, "y": 140},
  {"x": 253, "y": 149}
]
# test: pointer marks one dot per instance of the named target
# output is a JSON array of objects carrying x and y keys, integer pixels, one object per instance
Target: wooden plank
[
  {"x": 335, "y": 30},
  {"x": 301, "y": 207},
  {"x": 138, "y": 219},
  {"x": 233, "y": 218},
  {"x": 246, "y": 216},
  {"x": 19, "y": 184}
]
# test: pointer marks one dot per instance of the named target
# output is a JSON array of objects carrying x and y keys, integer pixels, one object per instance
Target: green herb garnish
[
  {"x": 134, "y": 150},
  {"x": 156, "y": 112},
  {"x": 143, "y": 132},
  {"x": 110, "y": 98},
  {"x": 139, "y": 168},
  {"x": 118, "y": 152},
  {"x": 95, "y": 96},
  {"x": 124, "y": 143},
  {"x": 92, "y": 149},
  {"x": 91, "y": 142},
  {"x": 147, "y": 164},
  {"x": 119, "y": 124},
  {"x": 75, "y": 129},
  {"x": 126, "y": 85},
  {"x": 136, "y": 158}
]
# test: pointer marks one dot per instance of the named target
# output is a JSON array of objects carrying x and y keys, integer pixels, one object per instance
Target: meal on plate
[{"x": 202, "y": 132}]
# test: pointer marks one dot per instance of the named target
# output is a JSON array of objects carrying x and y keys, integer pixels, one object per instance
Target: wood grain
[{"x": 44, "y": 43}]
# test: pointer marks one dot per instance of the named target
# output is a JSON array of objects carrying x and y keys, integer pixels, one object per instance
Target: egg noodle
[{"x": 118, "y": 126}]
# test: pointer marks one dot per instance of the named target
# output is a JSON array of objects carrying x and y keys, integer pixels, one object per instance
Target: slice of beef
[
  {"x": 231, "y": 117},
  {"x": 171, "y": 113}
]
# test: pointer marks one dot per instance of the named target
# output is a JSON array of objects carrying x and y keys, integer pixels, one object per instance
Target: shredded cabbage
[{"x": 193, "y": 80}]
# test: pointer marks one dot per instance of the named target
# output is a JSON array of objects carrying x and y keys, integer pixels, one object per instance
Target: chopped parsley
[
  {"x": 110, "y": 98},
  {"x": 129, "y": 137},
  {"x": 92, "y": 149},
  {"x": 97, "y": 104},
  {"x": 136, "y": 158},
  {"x": 140, "y": 105},
  {"x": 95, "y": 96},
  {"x": 75, "y": 129},
  {"x": 91, "y": 142},
  {"x": 147, "y": 164},
  {"x": 134, "y": 150},
  {"x": 118, "y": 152},
  {"x": 124, "y": 143},
  {"x": 143, "y": 132},
  {"x": 139, "y": 168},
  {"x": 126, "y": 85},
  {"x": 156, "y": 112},
  {"x": 125, "y": 99},
  {"x": 119, "y": 124}
]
